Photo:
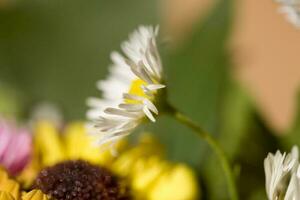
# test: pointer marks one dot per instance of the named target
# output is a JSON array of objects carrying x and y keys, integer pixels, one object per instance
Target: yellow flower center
[{"x": 136, "y": 89}]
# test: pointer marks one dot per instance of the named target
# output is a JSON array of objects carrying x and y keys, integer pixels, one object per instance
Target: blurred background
[{"x": 231, "y": 65}]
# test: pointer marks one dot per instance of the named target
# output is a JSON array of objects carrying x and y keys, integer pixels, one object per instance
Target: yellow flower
[
  {"x": 79, "y": 145},
  {"x": 153, "y": 178},
  {"x": 9, "y": 186},
  {"x": 48, "y": 144},
  {"x": 143, "y": 167},
  {"x": 6, "y": 196},
  {"x": 167, "y": 186},
  {"x": 52, "y": 147},
  {"x": 34, "y": 195},
  {"x": 10, "y": 190},
  {"x": 74, "y": 143},
  {"x": 27, "y": 176}
]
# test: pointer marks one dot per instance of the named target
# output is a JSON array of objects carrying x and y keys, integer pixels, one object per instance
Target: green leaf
[
  {"x": 246, "y": 141},
  {"x": 235, "y": 116}
]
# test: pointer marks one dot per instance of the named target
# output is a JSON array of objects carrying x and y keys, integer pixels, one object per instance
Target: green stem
[{"x": 214, "y": 145}]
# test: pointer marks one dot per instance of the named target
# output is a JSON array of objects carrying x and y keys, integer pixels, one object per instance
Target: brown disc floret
[{"x": 80, "y": 180}]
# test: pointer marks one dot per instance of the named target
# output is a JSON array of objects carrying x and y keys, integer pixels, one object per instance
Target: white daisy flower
[
  {"x": 293, "y": 190},
  {"x": 291, "y": 8},
  {"x": 289, "y": 2},
  {"x": 130, "y": 91},
  {"x": 279, "y": 169}
]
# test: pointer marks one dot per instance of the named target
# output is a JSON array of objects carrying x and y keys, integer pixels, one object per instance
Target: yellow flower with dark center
[
  {"x": 80, "y": 180},
  {"x": 143, "y": 167},
  {"x": 10, "y": 190},
  {"x": 51, "y": 147}
]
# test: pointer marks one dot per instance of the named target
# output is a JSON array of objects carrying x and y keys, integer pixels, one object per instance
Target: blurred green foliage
[
  {"x": 292, "y": 137},
  {"x": 206, "y": 92},
  {"x": 56, "y": 51},
  {"x": 10, "y": 105},
  {"x": 197, "y": 72}
]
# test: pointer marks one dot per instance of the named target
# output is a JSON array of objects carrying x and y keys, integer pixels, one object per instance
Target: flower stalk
[{"x": 215, "y": 146}]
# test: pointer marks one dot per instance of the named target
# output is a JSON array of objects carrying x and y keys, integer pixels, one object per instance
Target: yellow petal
[
  {"x": 79, "y": 145},
  {"x": 126, "y": 161},
  {"x": 28, "y": 175},
  {"x": 47, "y": 144},
  {"x": 6, "y": 196},
  {"x": 10, "y": 186},
  {"x": 35, "y": 195},
  {"x": 3, "y": 174},
  {"x": 180, "y": 183},
  {"x": 145, "y": 173}
]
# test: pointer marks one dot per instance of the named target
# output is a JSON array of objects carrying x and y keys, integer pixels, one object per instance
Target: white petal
[
  {"x": 150, "y": 106},
  {"x": 112, "y": 117},
  {"x": 116, "y": 111},
  {"x": 155, "y": 86},
  {"x": 148, "y": 114},
  {"x": 276, "y": 168},
  {"x": 293, "y": 190},
  {"x": 131, "y": 107},
  {"x": 133, "y": 97}
]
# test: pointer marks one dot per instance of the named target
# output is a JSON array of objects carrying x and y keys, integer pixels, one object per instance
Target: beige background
[{"x": 266, "y": 49}]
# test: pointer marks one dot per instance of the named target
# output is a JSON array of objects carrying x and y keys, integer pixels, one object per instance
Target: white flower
[
  {"x": 291, "y": 8},
  {"x": 129, "y": 92},
  {"x": 293, "y": 190},
  {"x": 289, "y": 2},
  {"x": 278, "y": 171}
]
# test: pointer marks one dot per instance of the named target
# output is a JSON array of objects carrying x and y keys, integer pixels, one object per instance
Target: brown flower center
[{"x": 79, "y": 180}]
